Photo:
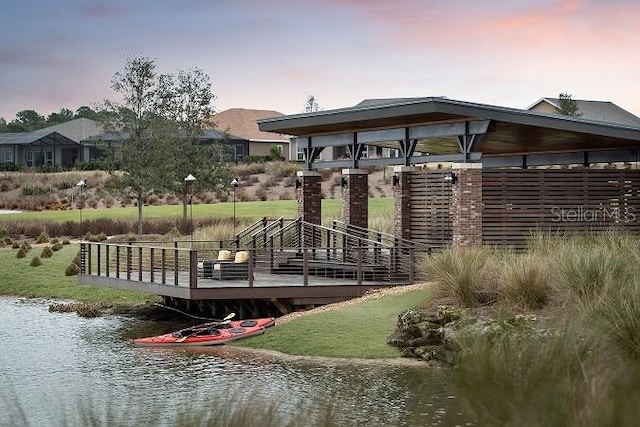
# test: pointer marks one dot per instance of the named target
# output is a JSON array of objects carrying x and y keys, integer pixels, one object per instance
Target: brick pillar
[
  {"x": 402, "y": 196},
  {"x": 466, "y": 204},
  {"x": 356, "y": 197},
  {"x": 309, "y": 194}
]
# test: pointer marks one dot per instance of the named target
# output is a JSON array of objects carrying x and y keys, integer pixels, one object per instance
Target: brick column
[
  {"x": 402, "y": 196},
  {"x": 466, "y": 204},
  {"x": 309, "y": 194},
  {"x": 355, "y": 206}
]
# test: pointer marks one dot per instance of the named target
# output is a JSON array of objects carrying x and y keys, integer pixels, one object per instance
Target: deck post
[
  {"x": 151, "y": 266},
  {"x": 176, "y": 264},
  {"x": 140, "y": 263},
  {"x": 163, "y": 263},
  {"x": 106, "y": 260},
  {"x": 250, "y": 268},
  {"x": 129, "y": 255},
  {"x": 305, "y": 266},
  {"x": 99, "y": 261},
  {"x": 83, "y": 258},
  {"x": 88, "y": 258},
  {"x": 193, "y": 268},
  {"x": 359, "y": 271},
  {"x": 118, "y": 262}
]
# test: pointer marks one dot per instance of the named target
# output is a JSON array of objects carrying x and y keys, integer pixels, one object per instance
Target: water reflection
[{"x": 55, "y": 366}]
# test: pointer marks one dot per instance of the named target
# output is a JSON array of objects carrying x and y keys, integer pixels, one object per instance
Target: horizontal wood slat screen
[
  {"x": 519, "y": 202},
  {"x": 430, "y": 203}
]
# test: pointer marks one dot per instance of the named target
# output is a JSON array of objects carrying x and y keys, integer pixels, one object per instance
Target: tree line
[{"x": 29, "y": 120}]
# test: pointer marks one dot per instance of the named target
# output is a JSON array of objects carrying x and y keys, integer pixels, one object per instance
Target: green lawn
[
  {"x": 352, "y": 331},
  {"x": 19, "y": 278},
  {"x": 255, "y": 209}
]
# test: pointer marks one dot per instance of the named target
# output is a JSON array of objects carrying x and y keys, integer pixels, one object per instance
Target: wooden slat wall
[
  {"x": 430, "y": 203},
  {"x": 519, "y": 202}
]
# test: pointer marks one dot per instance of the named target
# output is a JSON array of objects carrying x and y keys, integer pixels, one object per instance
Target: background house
[
  {"x": 240, "y": 129},
  {"x": 601, "y": 111},
  {"x": 56, "y": 146}
]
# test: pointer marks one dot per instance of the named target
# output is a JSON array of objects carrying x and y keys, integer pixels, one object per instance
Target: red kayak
[{"x": 214, "y": 333}]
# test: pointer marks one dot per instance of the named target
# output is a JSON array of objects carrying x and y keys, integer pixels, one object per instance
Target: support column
[
  {"x": 466, "y": 204},
  {"x": 402, "y": 196},
  {"x": 309, "y": 194},
  {"x": 355, "y": 197}
]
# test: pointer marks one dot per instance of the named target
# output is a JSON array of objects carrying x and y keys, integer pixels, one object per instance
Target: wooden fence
[{"x": 519, "y": 202}]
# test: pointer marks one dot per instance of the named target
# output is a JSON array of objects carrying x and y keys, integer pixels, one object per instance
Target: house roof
[
  {"x": 603, "y": 111},
  {"x": 510, "y": 131},
  {"x": 241, "y": 123},
  {"x": 69, "y": 132}
]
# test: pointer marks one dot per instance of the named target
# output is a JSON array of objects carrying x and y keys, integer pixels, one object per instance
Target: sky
[{"x": 273, "y": 54}]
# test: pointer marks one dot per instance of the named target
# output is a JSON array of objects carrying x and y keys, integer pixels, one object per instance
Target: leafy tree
[
  {"x": 311, "y": 105},
  {"x": 158, "y": 122},
  {"x": 26, "y": 121},
  {"x": 3, "y": 125},
  {"x": 567, "y": 106},
  {"x": 64, "y": 115},
  {"x": 85, "y": 112}
]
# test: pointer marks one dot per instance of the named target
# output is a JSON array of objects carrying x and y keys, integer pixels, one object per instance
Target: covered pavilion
[{"x": 503, "y": 171}]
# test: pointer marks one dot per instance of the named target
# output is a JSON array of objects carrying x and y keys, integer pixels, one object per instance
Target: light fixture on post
[
  {"x": 234, "y": 184},
  {"x": 82, "y": 184},
  {"x": 189, "y": 182},
  {"x": 450, "y": 177}
]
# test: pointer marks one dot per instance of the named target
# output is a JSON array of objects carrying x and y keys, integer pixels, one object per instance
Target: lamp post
[
  {"x": 189, "y": 182},
  {"x": 82, "y": 184},
  {"x": 234, "y": 184}
]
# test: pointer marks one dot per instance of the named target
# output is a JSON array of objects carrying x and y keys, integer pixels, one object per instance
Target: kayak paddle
[{"x": 224, "y": 321}]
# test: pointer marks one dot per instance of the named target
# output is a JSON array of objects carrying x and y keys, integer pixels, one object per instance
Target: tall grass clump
[
  {"x": 525, "y": 281},
  {"x": 588, "y": 269},
  {"x": 617, "y": 317},
  {"x": 466, "y": 275},
  {"x": 527, "y": 379}
]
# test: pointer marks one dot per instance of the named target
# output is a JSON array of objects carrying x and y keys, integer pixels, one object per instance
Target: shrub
[
  {"x": 15, "y": 245},
  {"x": 56, "y": 247},
  {"x": 72, "y": 270},
  {"x": 66, "y": 242},
  {"x": 43, "y": 238},
  {"x": 2, "y": 244},
  {"x": 35, "y": 262},
  {"x": 8, "y": 240},
  {"x": 261, "y": 193},
  {"x": 47, "y": 252},
  {"x": 21, "y": 253}
]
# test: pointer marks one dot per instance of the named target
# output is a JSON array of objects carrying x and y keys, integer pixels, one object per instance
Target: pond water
[{"x": 60, "y": 369}]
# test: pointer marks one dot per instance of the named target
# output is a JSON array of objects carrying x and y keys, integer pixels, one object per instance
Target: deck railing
[{"x": 173, "y": 265}]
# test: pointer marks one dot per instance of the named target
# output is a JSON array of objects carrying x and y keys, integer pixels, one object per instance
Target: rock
[
  {"x": 399, "y": 339},
  {"x": 409, "y": 352}
]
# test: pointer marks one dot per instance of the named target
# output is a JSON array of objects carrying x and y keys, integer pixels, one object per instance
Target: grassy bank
[
  {"x": 352, "y": 331},
  {"x": 19, "y": 278}
]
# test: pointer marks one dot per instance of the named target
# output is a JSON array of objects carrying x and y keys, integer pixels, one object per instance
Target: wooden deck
[
  {"x": 317, "y": 290},
  {"x": 272, "y": 277}
]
